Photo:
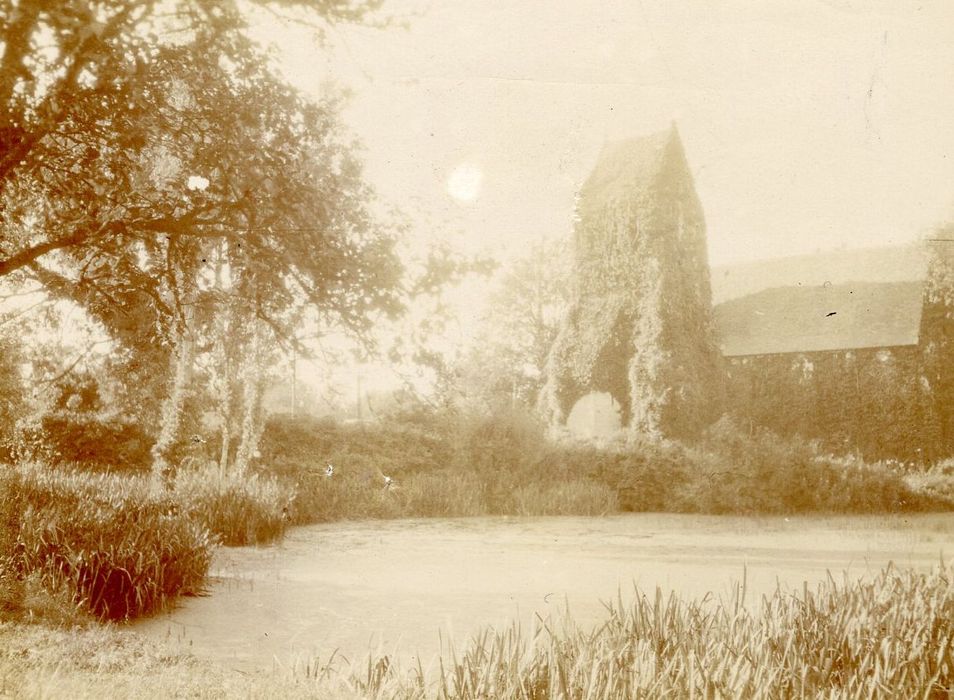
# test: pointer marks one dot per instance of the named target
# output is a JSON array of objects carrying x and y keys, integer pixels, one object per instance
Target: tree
[
  {"x": 156, "y": 172},
  {"x": 99, "y": 166},
  {"x": 11, "y": 392},
  {"x": 507, "y": 359},
  {"x": 937, "y": 334}
]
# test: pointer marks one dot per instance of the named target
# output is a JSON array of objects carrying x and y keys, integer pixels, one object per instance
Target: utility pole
[{"x": 294, "y": 387}]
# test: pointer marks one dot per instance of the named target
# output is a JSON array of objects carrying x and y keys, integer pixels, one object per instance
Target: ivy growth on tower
[{"x": 640, "y": 325}]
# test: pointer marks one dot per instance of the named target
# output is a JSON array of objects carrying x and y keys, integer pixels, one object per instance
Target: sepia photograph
[{"x": 476, "y": 349}]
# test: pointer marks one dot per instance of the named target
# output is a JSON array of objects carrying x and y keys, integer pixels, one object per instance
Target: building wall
[{"x": 877, "y": 401}]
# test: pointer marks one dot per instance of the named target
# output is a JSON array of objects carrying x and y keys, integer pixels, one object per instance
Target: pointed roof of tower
[{"x": 627, "y": 168}]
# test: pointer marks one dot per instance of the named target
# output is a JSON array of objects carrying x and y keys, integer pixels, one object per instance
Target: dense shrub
[
  {"x": 936, "y": 483},
  {"x": 348, "y": 495},
  {"x": 236, "y": 509},
  {"x": 735, "y": 471},
  {"x": 738, "y": 471},
  {"x": 116, "y": 546},
  {"x": 415, "y": 455},
  {"x": 92, "y": 441},
  {"x": 291, "y": 444},
  {"x": 649, "y": 476},
  {"x": 868, "y": 400},
  {"x": 504, "y": 441},
  {"x": 502, "y": 463}
]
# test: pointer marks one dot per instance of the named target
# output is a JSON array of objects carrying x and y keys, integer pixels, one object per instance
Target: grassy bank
[
  {"x": 891, "y": 637},
  {"x": 95, "y": 661}
]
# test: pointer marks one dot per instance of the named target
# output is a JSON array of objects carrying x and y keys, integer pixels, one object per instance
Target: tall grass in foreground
[
  {"x": 118, "y": 546},
  {"x": 892, "y": 637}
]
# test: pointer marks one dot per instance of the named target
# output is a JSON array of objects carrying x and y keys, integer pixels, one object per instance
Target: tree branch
[{"x": 31, "y": 254}]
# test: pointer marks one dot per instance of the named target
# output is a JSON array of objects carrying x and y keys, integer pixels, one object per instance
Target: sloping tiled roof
[{"x": 816, "y": 318}]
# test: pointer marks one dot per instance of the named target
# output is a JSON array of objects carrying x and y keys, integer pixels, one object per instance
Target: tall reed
[
  {"x": 890, "y": 637},
  {"x": 239, "y": 509},
  {"x": 116, "y": 547}
]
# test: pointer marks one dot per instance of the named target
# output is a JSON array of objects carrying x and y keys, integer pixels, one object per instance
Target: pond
[{"x": 403, "y": 587}]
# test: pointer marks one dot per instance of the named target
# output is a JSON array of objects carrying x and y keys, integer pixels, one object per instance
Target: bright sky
[{"x": 808, "y": 124}]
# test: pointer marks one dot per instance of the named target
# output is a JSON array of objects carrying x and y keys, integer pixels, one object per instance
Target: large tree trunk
[
  {"x": 224, "y": 399},
  {"x": 224, "y": 325},
  {"x": 167, "y": 451},
  {"x": 252, "y": 410}
]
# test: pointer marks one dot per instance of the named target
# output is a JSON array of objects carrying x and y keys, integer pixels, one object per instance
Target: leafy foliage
[
  {"x": 871, "y": 402},
  {"x": 156, "y": 172},
  {"x": 502, "y": 463},
  {"x": 937, "y": 334},
  {"x": 91, "y": 441},
  {"x": 11, "y": 395},
  {"x": 759, "y": 471},
  {"x": 506, "y": 362},
  {"x": 291, "y": 444}
]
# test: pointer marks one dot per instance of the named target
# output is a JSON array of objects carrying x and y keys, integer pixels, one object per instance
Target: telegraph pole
[{"x": 294, "y": 387}]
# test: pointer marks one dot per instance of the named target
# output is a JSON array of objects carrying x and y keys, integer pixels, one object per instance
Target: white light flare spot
[
  {"x": 197, "y": 182},
  {"x": 464, "y": 183}
]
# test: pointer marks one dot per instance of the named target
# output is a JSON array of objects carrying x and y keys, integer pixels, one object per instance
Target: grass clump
[
  {"x": 445, "y": 493},
  {"x": 112, "y": 545},
  {"x": 11, "y": 581},
  {"x": 118, "y": 546},
  {"x": 576, "y": 497},
  {"x": 238, "y": 509}
]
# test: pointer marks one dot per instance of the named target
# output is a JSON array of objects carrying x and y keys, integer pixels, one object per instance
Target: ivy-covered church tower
[{"x": 640, "y": 328}]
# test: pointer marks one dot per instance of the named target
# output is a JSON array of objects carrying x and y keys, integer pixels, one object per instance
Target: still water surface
[{"x": 399, "y": 587}]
